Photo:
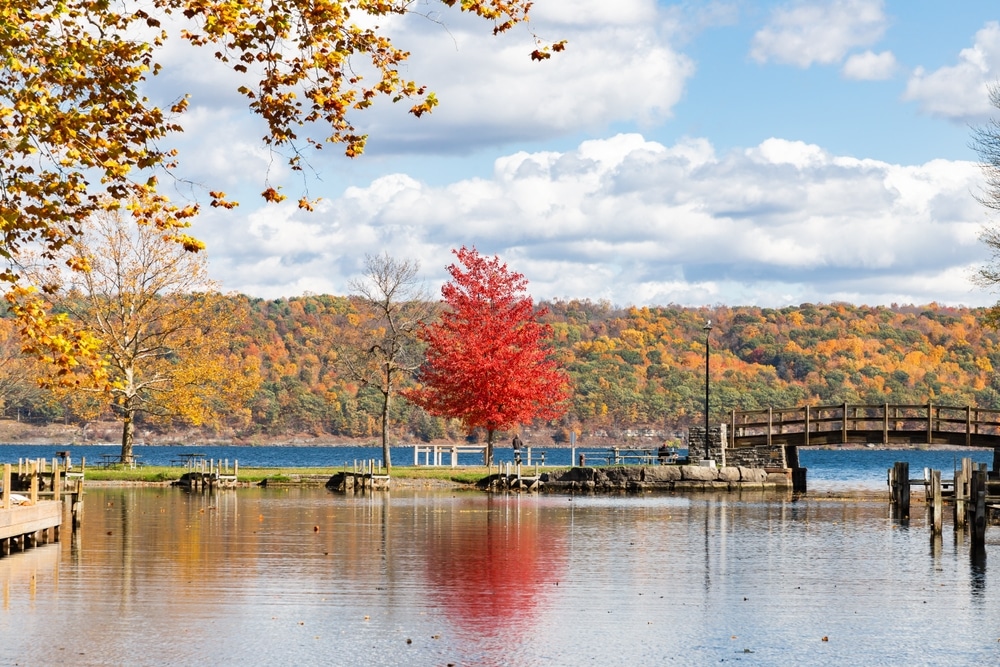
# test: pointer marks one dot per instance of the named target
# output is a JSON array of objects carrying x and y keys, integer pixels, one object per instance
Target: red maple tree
[{"x": 489, "y": 362}]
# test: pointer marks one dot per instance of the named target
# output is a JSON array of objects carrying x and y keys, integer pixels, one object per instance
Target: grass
[{"x": 463, "y": 475}]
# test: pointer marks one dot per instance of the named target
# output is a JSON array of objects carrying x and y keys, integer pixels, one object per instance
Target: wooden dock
[
  {"x": 369, "y": 476},
  {"x": 209, "y": 474},
  {"x": 973, "y": 492},
  {"x": 36, "y": 518}
]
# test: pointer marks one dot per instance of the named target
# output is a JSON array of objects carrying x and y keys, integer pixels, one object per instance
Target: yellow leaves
[
  {"x": 219, "y": 200},
  {"x": 73, "y": 353},
  {"x": 272, "y": 195},
  {"x": 424, "y": 107}
]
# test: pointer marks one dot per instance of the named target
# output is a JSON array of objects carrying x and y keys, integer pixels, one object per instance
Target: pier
[
  {"x": 36, "y": 518},
  {"x": 209, "y": 474},
  {"x": 370, "y": 475},
  {"x": 975, "y": 497}
]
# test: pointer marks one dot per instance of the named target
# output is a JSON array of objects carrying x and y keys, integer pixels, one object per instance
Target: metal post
[{"x": 708, "y": 332}]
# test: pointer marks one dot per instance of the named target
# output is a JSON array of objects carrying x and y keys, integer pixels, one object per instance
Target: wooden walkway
[
  {"x": 37, "y": 517},
  {"x": 865, "y": 424}
]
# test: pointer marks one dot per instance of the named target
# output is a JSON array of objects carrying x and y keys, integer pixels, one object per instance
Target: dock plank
[{"x": 23, "y": 519}]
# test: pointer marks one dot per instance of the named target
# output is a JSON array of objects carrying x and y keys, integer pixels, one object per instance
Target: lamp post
[{"x": 708, "y": 332}]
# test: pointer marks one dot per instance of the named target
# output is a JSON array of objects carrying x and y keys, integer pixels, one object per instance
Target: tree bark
[
  {"x": 488, "y": 455},
  {"x": 128, "y": 435},
  {"x": 386, "y": 397}
]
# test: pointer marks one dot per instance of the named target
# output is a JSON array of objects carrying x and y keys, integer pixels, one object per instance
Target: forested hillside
[{"x": 631, "y": 368}]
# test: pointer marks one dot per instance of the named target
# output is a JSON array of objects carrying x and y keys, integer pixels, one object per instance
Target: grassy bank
[{"x": 151, "y": 474}]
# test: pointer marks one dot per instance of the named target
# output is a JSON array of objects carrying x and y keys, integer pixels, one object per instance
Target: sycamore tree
[
  {"x": 383, "y": 349},
  {"x": 489, "y": 361},
  {"x": 78, "y": 136},
  {"x": 163, "y": 330}
]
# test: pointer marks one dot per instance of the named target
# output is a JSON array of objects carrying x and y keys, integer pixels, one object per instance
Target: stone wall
[
  {"x": 761, "y": 456},
  {"x": 696, "y": 443},
  {"x": 666, "y": 478}
]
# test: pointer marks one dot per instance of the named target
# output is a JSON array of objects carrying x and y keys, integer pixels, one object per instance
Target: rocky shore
[{"x": 668, "y": 478}]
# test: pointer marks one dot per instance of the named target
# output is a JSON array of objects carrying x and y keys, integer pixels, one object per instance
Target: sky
[{"x": 689, "y": 153}]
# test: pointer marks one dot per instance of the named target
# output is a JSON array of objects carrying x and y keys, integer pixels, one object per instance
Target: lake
[{"x": 158, "y": 576}]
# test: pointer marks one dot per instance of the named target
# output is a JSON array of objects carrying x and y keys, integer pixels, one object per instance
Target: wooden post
[
  {"x": 33, "y": 482},
  {"x": 885, "y": 424},
  {"x": 901, "y": 474},
  {"x": 843, "y": 424},
  {"x": 930, "y": 423},
  {"x": 807, "y": 426},
  {"x": 962, "y": 480},
  {"x": 904, "y": 492},
  {"x": 936, "y": 509},
  {"x": 979, "y": 507},
  {"x": 56, "y": 482},
  {"x": 770, "y": 426},
  {"x": 893, "y": 487},
  {"x": 6, "y": 486},
  {"x": 968, "y": 425}
]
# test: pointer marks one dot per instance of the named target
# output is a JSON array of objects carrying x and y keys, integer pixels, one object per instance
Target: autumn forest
[{"x": 629, "y": 367}]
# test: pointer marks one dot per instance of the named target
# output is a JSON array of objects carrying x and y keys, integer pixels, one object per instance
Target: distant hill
[{"x": 631, "y": 367}]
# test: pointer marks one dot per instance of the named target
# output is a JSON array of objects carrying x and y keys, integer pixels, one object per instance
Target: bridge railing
[{"x": 868, "y": 423}]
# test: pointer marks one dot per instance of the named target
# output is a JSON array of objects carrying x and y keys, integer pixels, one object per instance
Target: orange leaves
[{"x": 272, "y": 195}]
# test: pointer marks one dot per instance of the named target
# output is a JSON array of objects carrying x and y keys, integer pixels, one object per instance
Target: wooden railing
[{"x": 870, "y": 424}]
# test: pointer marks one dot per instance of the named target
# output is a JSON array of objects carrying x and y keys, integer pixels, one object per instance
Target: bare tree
[
  {"x": 393, "y": 304},
  {"x": 986, "y": 143}
]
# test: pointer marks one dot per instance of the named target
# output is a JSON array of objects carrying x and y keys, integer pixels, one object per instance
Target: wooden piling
[
  {"x": 936, "y": 506},
  {"x": 900, "y": 481},
  {"x": 963, "y": 479},
  {"x": 978, "y": 505}
]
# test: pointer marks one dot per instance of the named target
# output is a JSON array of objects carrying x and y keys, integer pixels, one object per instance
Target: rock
[
  {"x": 729, "y": 474},
  {"x": 757, "y": 475},
  {"x": 778, "y": 479},
  {"x": 663, "y": 473},
  {"x": 699, "y": 473}
]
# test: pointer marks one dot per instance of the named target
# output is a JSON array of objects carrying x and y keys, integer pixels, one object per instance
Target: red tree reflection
[{"x": 493, "y": 564}]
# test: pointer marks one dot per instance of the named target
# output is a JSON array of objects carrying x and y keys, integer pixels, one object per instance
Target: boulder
[
  {"x": 663, "y": 473},
  {"x": 699, "y": 473},
  {"x": 729, "y": 474},
  {"x": 779, "y": 479},
  {"x": 757, "y": 475}
]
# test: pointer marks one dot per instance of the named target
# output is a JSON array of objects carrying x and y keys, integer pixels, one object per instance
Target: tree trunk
[
  {"x": 128, "y": 435},
  {"x": 488, "y": 455},
  {"x": 385, "y": 431}
]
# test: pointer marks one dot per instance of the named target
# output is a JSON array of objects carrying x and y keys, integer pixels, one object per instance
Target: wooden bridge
[{"x": 885, "y": 424}]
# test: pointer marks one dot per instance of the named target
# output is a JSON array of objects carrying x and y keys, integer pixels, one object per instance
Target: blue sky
[{"x": 697, "y": 153}]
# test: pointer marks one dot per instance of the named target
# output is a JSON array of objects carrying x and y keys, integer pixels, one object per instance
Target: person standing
[{"x": 517, "y": 449}]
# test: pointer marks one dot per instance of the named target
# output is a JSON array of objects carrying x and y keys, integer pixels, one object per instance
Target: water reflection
[
  {"x": 491, "y": 565},
  {"x": 977, "y": 558},
  {"x": 300, "y": 576}
]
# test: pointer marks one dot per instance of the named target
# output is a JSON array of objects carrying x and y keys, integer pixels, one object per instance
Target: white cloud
[
  {"x": 634, "y": 221},
  {"x": 619, "y": 67},
  {"x": 960, "y": 92},
  {"x": 807, "y": 32},
  {"x": 869, "y": 66}
]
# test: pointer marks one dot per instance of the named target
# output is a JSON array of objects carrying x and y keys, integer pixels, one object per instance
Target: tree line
[{"x": 629, "y": 368}]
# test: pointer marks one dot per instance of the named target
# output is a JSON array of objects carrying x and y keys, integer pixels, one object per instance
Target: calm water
[{"x": 304, "y": 577}]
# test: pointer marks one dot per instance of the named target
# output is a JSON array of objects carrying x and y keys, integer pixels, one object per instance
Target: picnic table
[
  {"x": 109, "y": 461},
  {"x": 190, "y": 461}
]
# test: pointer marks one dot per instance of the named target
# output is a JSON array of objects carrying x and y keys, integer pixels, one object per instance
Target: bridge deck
[{"x": 867, "y": 424}]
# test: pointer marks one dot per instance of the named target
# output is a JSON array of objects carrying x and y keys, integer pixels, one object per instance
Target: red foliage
[{"x": 488, "y": 358}]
